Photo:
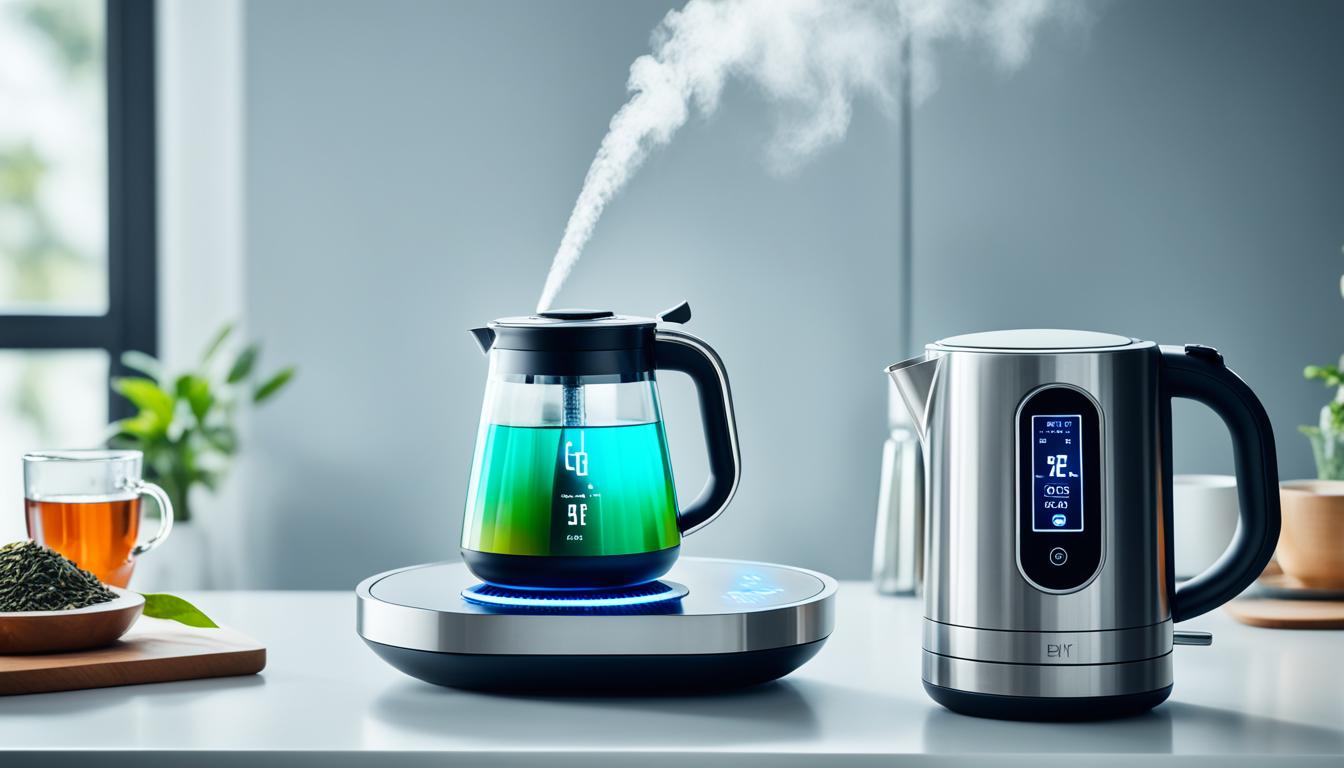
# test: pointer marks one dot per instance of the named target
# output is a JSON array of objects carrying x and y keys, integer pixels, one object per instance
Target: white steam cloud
[{"x": 813, "y": 58}]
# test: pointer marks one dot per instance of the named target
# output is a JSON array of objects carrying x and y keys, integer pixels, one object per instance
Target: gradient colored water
[{"x": 571, "y": 491}]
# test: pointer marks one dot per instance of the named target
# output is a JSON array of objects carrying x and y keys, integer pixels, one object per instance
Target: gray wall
[
  {"x": 410, "y": 166},
  {"x": 1173, "y": 171}
]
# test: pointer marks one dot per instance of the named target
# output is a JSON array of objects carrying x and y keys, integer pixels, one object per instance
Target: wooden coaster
[{"x": 1288, "y": 614}]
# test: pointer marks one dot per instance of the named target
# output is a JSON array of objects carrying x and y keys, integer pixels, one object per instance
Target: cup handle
[{"x": 165, "y": 516}]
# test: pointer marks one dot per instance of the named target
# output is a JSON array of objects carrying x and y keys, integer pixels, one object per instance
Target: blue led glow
[
  {"x": 645, "y": 594},
  {"x": 752, "y": 589}
]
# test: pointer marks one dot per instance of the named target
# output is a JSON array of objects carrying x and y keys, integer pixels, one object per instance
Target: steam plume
[{"x": 813, "y": 58}]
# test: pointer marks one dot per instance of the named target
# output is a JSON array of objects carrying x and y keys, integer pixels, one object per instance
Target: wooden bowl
[{"x": 74, "y": 630}]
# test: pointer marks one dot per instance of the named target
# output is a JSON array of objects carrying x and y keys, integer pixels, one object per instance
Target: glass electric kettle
[{"x": 571, "y": 486}]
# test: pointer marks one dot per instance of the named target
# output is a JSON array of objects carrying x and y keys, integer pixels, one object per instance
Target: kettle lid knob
[
  {"x": 679, "y": 314},
  {"x": 576, "y": 314}
]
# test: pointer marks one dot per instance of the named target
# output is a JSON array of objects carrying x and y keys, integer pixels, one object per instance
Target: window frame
[{"x": 131, "y": 319}]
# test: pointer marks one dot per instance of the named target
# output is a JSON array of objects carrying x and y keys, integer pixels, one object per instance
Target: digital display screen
[{"x": 1057, "y": 473}]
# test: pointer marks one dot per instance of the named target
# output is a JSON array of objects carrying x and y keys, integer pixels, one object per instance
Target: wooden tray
[
  {"x": 153, "y": 651},
  {"x": 1288, "y": 614}
]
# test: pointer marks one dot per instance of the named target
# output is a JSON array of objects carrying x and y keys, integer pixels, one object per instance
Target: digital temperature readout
[{"x": 1057, "y": 473}]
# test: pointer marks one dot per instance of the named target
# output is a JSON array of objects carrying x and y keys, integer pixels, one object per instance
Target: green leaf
[
  {"x": 223, "y": 439},
  {"x": 144, "y": 426},
  {"x": 196, "y": 391},
  {"x": 147, "y": 396},
  {"x": 220, "y": 337},
  {"x": 1328, "y": 374},
  {"x": 173, "y": 608},
  {"x": 273, "y": 385},
  {"x": 139, "y": 361},
  {"x": 242, "y": 366},
  {"x": 209, "y": 479}
]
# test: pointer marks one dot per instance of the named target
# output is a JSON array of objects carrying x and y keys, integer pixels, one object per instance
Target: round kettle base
[
  {"x": 618, "y": 675},
  {"x": 1040, "y": 708},
  {"x": 734, "y": 624}
]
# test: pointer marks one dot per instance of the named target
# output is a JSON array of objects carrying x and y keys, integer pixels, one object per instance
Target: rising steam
[{"x": 812, "y": 58}]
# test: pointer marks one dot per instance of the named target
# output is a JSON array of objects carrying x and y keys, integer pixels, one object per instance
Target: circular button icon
[{"x": 1058, "y": 556}]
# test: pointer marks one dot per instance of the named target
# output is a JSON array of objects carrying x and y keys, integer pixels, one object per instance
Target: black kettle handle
[
  {"x": 678, "y": 351},
  {"x": 1197, "y": 373}
]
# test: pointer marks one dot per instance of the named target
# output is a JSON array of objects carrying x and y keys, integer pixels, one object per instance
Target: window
[{"x": 77, "y": 221}]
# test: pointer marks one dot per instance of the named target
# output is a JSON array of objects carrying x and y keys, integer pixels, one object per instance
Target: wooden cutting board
[
  {"x": 1288, "y": 614},
  {"x": 153, "y": 651}
]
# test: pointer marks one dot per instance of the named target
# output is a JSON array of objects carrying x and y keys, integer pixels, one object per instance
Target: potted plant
[
  {"x": 186, "y": 423},
  {"x": 1327, "y": 437},
  {"x": 1311, "y": 545}
]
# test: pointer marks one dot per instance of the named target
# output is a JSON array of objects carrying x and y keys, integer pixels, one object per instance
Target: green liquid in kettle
[{"x": 571, "y": 491}]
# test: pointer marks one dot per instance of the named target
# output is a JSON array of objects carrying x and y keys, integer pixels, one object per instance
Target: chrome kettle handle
[
  {"x": 1197, "y": 372},
  {"x": 678, "y": 351}
]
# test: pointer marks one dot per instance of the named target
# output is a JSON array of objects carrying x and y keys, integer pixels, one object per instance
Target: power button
[{"x": 1058, "y": 556}]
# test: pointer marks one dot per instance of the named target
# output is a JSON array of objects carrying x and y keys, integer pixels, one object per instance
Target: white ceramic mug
[{"x": 1204, "y": 518}]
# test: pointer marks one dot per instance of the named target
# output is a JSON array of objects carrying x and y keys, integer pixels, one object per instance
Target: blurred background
[{"x": 356, "y": 183}]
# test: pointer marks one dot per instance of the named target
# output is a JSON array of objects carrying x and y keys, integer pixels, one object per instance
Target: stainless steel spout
[{"x": 914, "y": 382}]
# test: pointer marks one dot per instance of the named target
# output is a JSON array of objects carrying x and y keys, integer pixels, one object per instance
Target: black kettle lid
[{"x": 576, "y": 341}]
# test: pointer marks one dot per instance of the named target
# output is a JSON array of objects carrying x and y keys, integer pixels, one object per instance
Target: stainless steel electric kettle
[{"x": 1048, "y": 584}]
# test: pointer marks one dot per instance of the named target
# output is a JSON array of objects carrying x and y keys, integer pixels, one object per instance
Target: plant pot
[{"x": 1311, "y": 544}]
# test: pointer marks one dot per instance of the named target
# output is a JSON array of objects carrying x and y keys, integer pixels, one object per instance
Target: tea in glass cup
[{"x": 86, "y": 505}]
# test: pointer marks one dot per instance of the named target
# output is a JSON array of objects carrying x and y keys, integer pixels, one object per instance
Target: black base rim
[
  {"x": 568, "y": 571},
  {"x": 1041, "y": 708},
  {"x": 648, "y": 675}
]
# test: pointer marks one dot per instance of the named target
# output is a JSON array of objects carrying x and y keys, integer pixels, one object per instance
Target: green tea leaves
[
  {"x": 173, "y": 608},
  {"x": 34, "y": 578}
]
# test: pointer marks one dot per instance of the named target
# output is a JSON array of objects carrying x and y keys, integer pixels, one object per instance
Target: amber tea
[
  {"x": 98, "y": 535},
  {"x": 86, "y": 506}
]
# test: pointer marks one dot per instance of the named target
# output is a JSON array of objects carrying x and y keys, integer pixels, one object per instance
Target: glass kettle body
[{"x": 571, "y": 484}]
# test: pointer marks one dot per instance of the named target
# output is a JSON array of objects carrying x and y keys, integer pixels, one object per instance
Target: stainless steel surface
[
  {"x": 1024, "y": 647},
  {"x": 1061, "y": 680},
  {"x": 898, "y": 541},
  {"x": 1052, "y": 339},
  {"x": 733, "y": 606},
  {"x": 687, "y": 340},
  {"x": 972, "y": 577},
  {"x": 914, "y": 380},
  {"x": 1186, "y": 637}
]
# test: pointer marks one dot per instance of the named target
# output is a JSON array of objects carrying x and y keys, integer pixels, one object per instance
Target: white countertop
[{"x": 325, "y": 699}]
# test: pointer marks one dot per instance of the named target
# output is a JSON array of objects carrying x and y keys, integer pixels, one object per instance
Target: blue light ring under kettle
[{"x": 651, "y": 597}]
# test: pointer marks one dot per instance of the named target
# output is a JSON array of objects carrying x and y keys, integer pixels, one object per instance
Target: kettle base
[
  {"x": 659, "y": 674},
  {"x": 732, "y": 623},
  {"x": 1041, "y": 708}
]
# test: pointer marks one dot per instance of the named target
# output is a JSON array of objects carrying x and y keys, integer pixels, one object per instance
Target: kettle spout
[
  {"x": 914, "y": 382},
  {"x": 485, "y": 337}
]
